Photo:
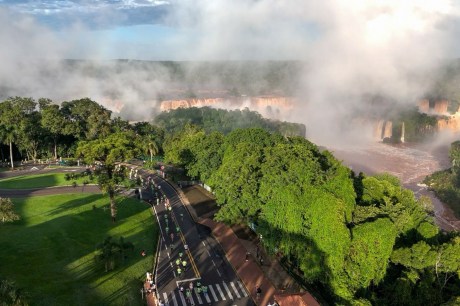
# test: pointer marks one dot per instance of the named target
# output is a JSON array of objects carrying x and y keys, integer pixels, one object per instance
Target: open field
[
  {"x": 50, "y": 251},
  {"x": 39, "y": 181}
]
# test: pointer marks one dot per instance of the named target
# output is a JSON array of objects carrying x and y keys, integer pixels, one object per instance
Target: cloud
[{"x": 351, "y": 49}]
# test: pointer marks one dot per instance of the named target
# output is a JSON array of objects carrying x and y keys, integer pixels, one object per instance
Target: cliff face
[
  {"x": 441, "y": 108},
  {"x": 438, "y": 107},
  {"x": 187, "y": 103},
  {"x": 452, "y": 123},
  {"x": 269, "y": 106}
]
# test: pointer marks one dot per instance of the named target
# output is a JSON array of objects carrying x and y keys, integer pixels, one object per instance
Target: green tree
[
  {"x": 53, "y": 121},
  {"x": 370, "y": 250},
  {"x": 86, "y": 119},
  {"x": 207, "y": 156},
  {"x": 7, "y": 213},
  {"x": 13, "y": 113},
  {"x": 117, "y": 147}
]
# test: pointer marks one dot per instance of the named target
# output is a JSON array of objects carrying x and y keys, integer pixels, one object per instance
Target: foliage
[
  {"x": 10, "y": 295},
  {"x": 224, "y": 121},
  {"x": 116, "y": 147},
  {"x": 445, "y": 184},
  {"x": 7, "y": 213},
  {"x": 110, "y": 252}
]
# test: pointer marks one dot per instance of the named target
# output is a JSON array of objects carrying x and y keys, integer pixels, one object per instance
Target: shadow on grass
[{"x": 59, "y": 253}]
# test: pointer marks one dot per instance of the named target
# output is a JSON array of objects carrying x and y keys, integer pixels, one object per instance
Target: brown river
[{"x": 410, "y": 163}]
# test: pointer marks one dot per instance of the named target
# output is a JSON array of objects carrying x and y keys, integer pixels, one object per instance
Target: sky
[{"x": 351, "y": 47}]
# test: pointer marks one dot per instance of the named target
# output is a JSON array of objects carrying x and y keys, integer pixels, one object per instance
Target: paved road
[{"x": 205, "y": 260}]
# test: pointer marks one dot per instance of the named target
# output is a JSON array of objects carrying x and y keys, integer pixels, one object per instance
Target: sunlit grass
[
  {"x": 39, "y": 181},
  {"x": 50, "y": 252}
]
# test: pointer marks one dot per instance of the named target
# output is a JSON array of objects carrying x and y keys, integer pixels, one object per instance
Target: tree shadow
[{"x": 54, "y": 260}]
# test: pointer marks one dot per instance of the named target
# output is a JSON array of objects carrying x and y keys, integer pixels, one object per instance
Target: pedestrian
[
  {"x": 177, "y": 229},
  {"x": 181, "y": 254},
  {"x": 247, "y": 255},
  {"x": 258, "y": 291},
  {"x": 261, "y": 261},
  {"x": 205, "y": 290},
  {"x": 171, "y": 247},
  {"x": 181, "y": 289},
  {"x": 172, "y": 236},
  {"x": 143, "y": 253},
  {"x": 167, "y": 230},
  {"x": 181, "y": 216},
  {"x": 190, "y": 285}
]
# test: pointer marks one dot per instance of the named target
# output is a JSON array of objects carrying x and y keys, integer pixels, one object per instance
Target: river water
[{"x": 410, "y": 163}]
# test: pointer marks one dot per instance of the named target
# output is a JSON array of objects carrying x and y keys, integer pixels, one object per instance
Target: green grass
[
  {"x": 39, "y": 181},
  {"x": 50, "y": 252}
]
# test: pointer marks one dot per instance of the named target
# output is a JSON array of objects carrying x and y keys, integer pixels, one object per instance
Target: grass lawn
[
  {"x": 39, "y": 181},
  {"x": 50, "y": 251}
]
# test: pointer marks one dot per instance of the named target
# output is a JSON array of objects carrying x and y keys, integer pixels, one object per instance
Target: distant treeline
[{"x": 224, "y": 121}]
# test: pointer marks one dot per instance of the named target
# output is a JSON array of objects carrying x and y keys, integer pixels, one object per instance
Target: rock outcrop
[{"x": 269, "y": 106}]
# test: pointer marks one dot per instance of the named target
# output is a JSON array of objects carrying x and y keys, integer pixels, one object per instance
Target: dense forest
[
  {"x": 362, "y": 239},
  {"x": 446, "y": 183},
  {"x": 224, "y": 121}
]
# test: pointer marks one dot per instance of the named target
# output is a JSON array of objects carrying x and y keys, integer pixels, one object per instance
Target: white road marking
[
  {"x": 182, "y": 297},
  {"x": 242, "y": 288},
  {"x": 213, "y": 293},
  {"x": 165, "y": 296},
  {"x": 220, "y": 291},
  {"x": 173, "y": 298},
  {"x": 206, "y": 296},
  {"x": 236, "y": 290},
  {"x": 198, "y": 296},
  {"x": 228, "y": 290}
]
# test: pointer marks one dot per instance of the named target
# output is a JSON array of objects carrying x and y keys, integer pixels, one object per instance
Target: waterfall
[
  {"x": 403, "y": 131},
  {"x": 388, "y": 130},
  {"x": 378, "y": 131}
]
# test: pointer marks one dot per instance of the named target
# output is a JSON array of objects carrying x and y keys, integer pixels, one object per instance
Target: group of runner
[{"x": 188, "y": 292}]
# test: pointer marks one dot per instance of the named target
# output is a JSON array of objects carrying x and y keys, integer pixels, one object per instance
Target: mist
[{"x": 346, "y": 51}]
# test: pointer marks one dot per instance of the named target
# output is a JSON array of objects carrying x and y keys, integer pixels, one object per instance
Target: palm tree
[
  {"x": 151, "y": 146},
  {"x": 10, "y": 295},
  {"x": 107, "y": 252}
]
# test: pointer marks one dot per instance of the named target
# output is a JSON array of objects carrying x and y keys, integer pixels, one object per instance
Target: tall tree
[
  {"x": 53, "y": 121},
  {"x": 86, "y": 118},
  {"x": 13, "y": 112},
  {"x": 117, "y": 147}
]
